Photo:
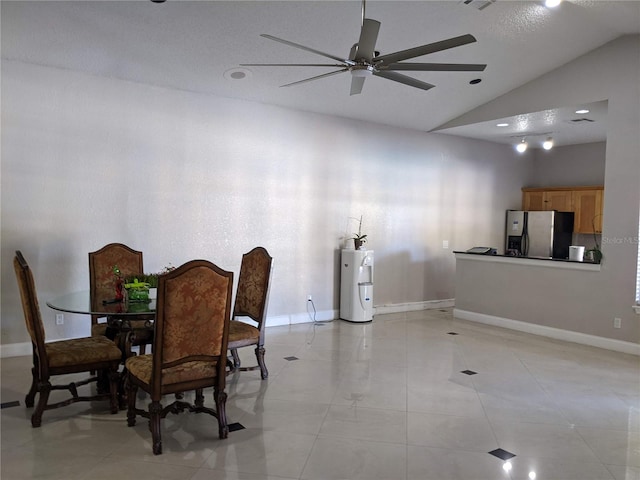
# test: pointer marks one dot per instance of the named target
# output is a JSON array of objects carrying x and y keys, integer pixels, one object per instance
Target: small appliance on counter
[
  {"x": 538, "y": 234},
  {"x": 482, "y": 251}
]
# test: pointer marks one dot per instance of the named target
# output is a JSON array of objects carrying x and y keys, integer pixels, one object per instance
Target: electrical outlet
[
  {"x": 59, "y": 318},
  {"x": 617, "y": 322},
  {"x": 309, "y": 298}
]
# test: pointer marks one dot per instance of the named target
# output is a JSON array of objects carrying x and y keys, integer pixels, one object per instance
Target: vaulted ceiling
[{"x": 199, "y": 46}]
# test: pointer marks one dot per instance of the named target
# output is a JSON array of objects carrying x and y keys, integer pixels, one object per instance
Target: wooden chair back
[
  {"x": 31, "y": 309},
  {"x": 101, "y": 276},
  {"x": 253, "y": 286},
  {"x": 192, "y": 324}
]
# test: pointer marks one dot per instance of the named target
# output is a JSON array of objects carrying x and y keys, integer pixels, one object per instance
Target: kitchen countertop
[{"x": 536, "y": 261}]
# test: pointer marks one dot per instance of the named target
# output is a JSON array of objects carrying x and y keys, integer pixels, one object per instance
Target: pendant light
[
  {"x": 522, "y": 146},
  {"x": 548, "y": 143}
]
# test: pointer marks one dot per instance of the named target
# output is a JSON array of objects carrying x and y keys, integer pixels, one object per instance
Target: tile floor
[{"x": 385, "y": 400}]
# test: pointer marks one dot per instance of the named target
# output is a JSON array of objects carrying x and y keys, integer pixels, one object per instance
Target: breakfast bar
[{"x": 537, "y": 295}]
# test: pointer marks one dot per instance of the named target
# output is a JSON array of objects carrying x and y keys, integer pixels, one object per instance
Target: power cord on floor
[{"x": 313, "y": 317}]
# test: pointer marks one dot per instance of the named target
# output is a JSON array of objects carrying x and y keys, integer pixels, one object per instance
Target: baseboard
[
  {"x": 325, "y": 315},
  {"x": 297, "y": 318},
  {"x": 551, "y": 332},
  {"x": 15, "y": 349},
  {"x": 414, "y": 306}
]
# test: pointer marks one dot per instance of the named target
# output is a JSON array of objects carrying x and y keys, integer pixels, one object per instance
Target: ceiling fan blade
[
  {"x": 424, "y": 49},
  {"x": 356, "y": 85},
  {"x": 292, "y": 65},
  {"x": 312, "y": 50},
  {"x": 367, "y": 41},
  {"x": 396, "y": 77},
  {"x": 434, "y": 67},
  {"x": 317, "y": 77}
]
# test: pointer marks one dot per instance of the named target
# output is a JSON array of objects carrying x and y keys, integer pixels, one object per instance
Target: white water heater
[{"x": 356, "y": 285}]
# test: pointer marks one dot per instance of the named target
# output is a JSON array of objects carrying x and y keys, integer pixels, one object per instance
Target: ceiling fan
[{"x": 365, "y": 61}]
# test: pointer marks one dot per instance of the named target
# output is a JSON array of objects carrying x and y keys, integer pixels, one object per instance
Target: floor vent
[{"x": 479, "y": 4}]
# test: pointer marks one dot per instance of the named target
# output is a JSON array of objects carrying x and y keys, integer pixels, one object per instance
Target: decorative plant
[
  {"x": 117, "y": 274},
  {"x": 595, "y": 252},
  {"x": 150, "y": 280},
  {"x": 359, "y": 238},
  {"x": 116, "y": 271}
]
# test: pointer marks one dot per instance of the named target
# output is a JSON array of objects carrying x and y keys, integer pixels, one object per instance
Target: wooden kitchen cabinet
[
  {"x": 533, "y": 200},
  {"x": 585, "y": 202},
  {"x": 542, "y": 199},
  {"x": 588, "y": 211}
]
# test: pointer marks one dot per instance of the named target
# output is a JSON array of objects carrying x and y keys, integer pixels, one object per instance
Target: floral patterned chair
[
  {"x": 251, "y": 302},
  {"x": 102, "y": 286},
  {"x": 189, "y": 347},
  {"x": 62, "y": 357}
]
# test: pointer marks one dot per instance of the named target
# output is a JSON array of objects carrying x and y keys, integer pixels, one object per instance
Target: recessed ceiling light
[
  {"x": 502, "y": 124},
  {"x": 475, "y": 81},
  {"x": 552, "y": 3},
  {"x": 582, "y": 111},
  {"x": 237, "y": 74}
]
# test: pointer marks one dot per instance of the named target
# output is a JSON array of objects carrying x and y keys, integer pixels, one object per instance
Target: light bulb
[
  {"x": 548, "y": 144},
  {"x": 552, "y": 3},
  {"x": 522, "y": 147}
]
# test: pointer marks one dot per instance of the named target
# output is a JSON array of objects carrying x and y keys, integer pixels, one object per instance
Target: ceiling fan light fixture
[
  {"x": 364, "y": 60},
  {"x": 522, "y": 146},
  {"x": 366, "y": 71},
  {"x": 548, "y": 143}
]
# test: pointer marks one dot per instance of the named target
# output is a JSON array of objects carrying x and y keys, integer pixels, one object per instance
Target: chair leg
[
  {"x": 29, "y": 400},
  {"x": 143, "y": 348},
  {"x": 114, "y": 381},
  {"x": 236, "y": 358},
  {"x": 199, "y": 402},
  {"x": 44, "y": 388},
  {"x": 132, "y": 391},
  {"x": 155, "y": 409},
  {"x": 221, "y": 408},
  {"x": 264, "y": 373}
]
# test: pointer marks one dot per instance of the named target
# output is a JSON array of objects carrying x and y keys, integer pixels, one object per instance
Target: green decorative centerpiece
[
  {"x": 137, "y": 290},
  {"x": 137, "y": 286}
]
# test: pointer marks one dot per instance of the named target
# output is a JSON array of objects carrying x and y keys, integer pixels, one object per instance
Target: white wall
[
  {"x": 611, "y": 73},
  {"x": 89, "y": 160},
  {"x": 571, "y": 165}
]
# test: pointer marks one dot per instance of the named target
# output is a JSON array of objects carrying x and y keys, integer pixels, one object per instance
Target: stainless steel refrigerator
[{"x": 538, "y": 234}]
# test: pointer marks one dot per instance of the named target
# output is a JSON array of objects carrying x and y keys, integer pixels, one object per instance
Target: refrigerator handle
[{"x": 525, "y": 244}]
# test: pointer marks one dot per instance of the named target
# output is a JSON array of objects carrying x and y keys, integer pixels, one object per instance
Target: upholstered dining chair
[
  {"x": 250, "y": 303},
  {"x": 62, "y": 357},
  {"x": 193, "y": 309},
  {"x": 102, "y": 286}
]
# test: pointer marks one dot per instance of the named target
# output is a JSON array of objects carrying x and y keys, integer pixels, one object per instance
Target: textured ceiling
[{"x": 197, "y": 45}]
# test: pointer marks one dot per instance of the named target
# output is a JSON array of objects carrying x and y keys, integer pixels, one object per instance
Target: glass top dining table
[{"x": 80, "y": 302}]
